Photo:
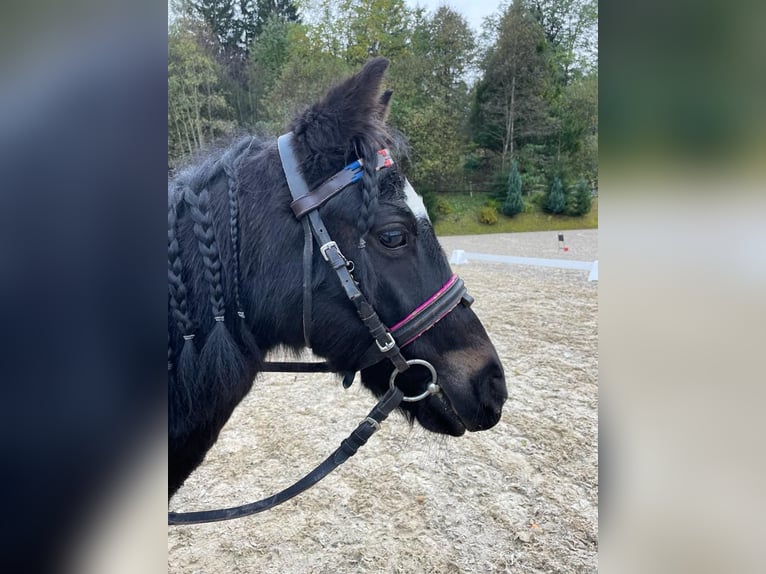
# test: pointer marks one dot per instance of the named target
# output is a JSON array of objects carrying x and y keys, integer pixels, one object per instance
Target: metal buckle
[
  {"x": 390, "y": 344},
  {"x": 329, "y": 245},
  {"x": 375, "y": 424}
]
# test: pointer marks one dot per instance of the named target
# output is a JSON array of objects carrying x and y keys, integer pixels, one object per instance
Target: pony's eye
[{"x": 393, "y": 238}]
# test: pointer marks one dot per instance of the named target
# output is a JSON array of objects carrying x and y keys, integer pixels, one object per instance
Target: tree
[
  {"x": 583, "y": 196},
  {"x": 449, "y": 52},
  {"x": 197, "y": 109},
  {"x": 234, "y": 26},
  {"x": 577, "y": 136},
  {"x": 377, "y": 28},
  {"x": 267, "y": 58},
  {"x": 359, "y": 29},
  {"x": 283, "y": 11},
  {"x": 236, "y": 23},
  {"x": 513, "y": 203},
  {"x": 579, "y": 199},
  {"x": 509, "y": 107},
  {"x": 432, "y": 98},
  {"x": 555, "y": 202},
  {"x": 570, "y": 28},
  {"x": 303, "y": 78}
]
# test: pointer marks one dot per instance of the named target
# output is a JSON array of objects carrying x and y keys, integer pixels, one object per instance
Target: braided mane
[{"x": 221, "y": 355}]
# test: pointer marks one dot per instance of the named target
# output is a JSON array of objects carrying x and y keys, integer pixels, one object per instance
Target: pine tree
[
  {"x": 513, "y": 203},
  {"x": 555, "y": 202}
]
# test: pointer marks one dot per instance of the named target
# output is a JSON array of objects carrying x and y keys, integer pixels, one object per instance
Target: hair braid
[
  {"x": 176, "y": 286},
  {"x": 230, "y": 169},
  {"x": 369, "y": 187},
  {"x": 233, "y": 184},
  {"x": 221, "y": 361},
  {"x": 186, "y": 368},
  {"x": 208, "y": 247}
]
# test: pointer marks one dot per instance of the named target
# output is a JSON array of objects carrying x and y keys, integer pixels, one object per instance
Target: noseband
[{"x": 387, "y": 342}]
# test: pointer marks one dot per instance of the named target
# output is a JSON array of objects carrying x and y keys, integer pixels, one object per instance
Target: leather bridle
[{"x": 387, "y": 342}]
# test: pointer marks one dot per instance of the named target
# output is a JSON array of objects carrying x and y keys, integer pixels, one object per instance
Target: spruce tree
[
  {"x": 555, "y": 202},
  {"x": 571, "y": 205},
  {"x": 582, "y": 193},
  {"x": 513, "y": 203}
]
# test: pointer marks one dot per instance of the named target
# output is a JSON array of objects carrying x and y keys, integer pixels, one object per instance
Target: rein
[
  {"x": 347, "y": 449},
  {"x": 386, "y": 344}
]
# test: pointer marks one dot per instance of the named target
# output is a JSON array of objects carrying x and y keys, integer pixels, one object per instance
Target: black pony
[{"x": 235, "y": 271}]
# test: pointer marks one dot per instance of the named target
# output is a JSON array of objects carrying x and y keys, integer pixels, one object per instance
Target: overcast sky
[{"x": 473, "y": 10}]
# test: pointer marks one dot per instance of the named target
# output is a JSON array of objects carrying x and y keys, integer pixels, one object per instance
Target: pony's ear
[
  {"x": 350, "y": 112},
  {"x": 385, "y": 104}
]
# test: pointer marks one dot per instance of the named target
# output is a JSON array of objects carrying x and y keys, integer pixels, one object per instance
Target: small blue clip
[{"x": 357, "y": 167}]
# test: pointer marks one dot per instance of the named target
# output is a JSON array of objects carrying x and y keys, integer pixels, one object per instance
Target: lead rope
[{"x": 348, "y": 448}]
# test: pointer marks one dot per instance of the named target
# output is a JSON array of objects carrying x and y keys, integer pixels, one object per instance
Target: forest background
[{"x": 507, "y": 114}]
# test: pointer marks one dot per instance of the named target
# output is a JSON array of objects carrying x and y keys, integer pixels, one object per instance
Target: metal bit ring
[{"x": 432, "y": 387}]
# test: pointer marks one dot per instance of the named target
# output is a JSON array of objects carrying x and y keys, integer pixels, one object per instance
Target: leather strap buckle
[
  {"x": 388, "y": 345},
  {"x": 324, "y": 248}
]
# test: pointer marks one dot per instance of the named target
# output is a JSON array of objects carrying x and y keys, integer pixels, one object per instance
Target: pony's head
[{"x": 381, "y": 224}]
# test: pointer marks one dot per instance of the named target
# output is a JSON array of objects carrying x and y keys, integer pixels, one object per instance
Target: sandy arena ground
[{"x": 521, "y": 497}]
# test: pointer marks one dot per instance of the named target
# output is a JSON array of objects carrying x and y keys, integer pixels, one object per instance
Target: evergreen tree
[
  {"x": 513, "y": 203},
  {"x": 555, "y": 202},
  {"x": 278, "y": 10},
  {"x": 582, "y": 197},
  {"x": 578, "y": 200},
  {"x": 570, "y": 201}
]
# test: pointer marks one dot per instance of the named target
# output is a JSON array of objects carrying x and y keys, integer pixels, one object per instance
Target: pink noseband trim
[{"x": 425, "y": 305}]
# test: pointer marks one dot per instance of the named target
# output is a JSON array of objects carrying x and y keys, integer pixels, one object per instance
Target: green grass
[{"x": 465, "y": 218}]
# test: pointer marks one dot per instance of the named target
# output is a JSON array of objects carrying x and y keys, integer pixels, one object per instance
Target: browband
[{"x": 337, "y": 183}]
